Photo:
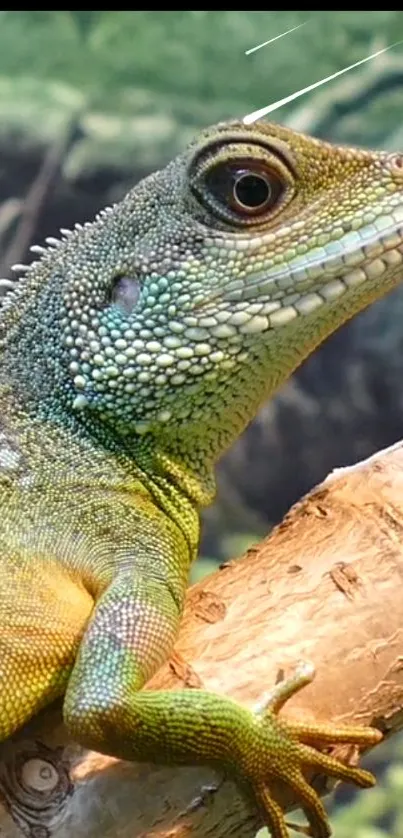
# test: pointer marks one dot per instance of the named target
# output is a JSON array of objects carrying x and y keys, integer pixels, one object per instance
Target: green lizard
[{"x": 133, "y": 352}]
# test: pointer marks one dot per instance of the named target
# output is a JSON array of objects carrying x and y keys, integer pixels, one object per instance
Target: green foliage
[
  {"x": 194, "y": 55},
  {"x": 148, "y": 80}
]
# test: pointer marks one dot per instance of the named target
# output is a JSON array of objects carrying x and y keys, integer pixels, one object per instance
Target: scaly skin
[{"x": 133, "y": 353}]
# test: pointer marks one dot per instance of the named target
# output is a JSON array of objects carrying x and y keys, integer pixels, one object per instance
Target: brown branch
[
  {"x": 325, "y": 587},
  {"x": 37, "y": 196}
]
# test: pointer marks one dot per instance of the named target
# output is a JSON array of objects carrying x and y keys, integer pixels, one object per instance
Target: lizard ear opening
[{"x": 125, "y": 292}]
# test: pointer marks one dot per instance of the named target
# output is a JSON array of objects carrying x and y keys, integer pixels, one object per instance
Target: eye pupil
[{"x": 251, "y": 191}]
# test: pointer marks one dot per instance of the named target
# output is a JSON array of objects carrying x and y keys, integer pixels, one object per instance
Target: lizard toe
[
  {"x": 333, "y": 767},
  {"x": 313, "y": 808},
  {"x": 271, "y": 811}
]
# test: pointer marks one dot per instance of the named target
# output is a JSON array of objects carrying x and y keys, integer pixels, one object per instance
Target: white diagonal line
[
  {"x": 259, "y": 46},
  {"x": 252, "y": 117}
]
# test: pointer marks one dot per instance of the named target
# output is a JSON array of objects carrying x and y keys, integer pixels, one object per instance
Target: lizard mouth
[
  {"x": 321, "y": 275},
  {"x": 338, "y": 258}
]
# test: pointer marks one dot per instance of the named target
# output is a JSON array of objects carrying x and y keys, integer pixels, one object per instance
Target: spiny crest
[{"x": 8, "y": 286}]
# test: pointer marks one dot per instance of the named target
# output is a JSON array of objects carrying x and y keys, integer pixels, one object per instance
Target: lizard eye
[
  {"x": 245, "y": 187},
  {"x": 125, "y": 293},
  {"x": 254, "y": 191},
  {"x": 239, "y": 188}
]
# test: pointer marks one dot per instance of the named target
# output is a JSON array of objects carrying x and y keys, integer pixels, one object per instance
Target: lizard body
[{"x": 133, "y": 352}]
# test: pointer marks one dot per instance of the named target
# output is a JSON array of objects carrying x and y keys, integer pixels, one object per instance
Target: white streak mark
[
  {"x": 265, "y": 43},
  {"x": 252, "y": 117}
]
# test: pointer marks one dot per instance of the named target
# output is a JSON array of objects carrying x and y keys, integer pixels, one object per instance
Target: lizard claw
[{"x": 294, "y": 751}]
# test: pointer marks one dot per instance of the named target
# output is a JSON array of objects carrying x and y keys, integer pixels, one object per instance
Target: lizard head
[{"x": 177, "y": 311}]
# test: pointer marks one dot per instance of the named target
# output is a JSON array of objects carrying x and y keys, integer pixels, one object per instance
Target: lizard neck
[
  {"x": 174, "y": 460},
  {"x": 39, "y": 442}
]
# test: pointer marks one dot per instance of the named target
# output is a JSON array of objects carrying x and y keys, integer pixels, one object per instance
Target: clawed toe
[
  {"x": 335, "y": 768},
  {"x": 310, "y": 803},
  {"x": 272, "y": 813},
  {"x": 323, "y": 734},
  {"x": 313, "y": 808}
]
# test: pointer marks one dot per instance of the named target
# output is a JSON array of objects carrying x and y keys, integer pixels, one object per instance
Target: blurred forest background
[{"x": 92, "y": 101}]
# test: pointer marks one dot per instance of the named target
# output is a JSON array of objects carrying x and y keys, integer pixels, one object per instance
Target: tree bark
[{"x": 326, "y": 587}]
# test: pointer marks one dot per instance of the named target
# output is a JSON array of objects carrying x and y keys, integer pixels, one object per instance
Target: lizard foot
[{"x": 285, "y": 749}]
